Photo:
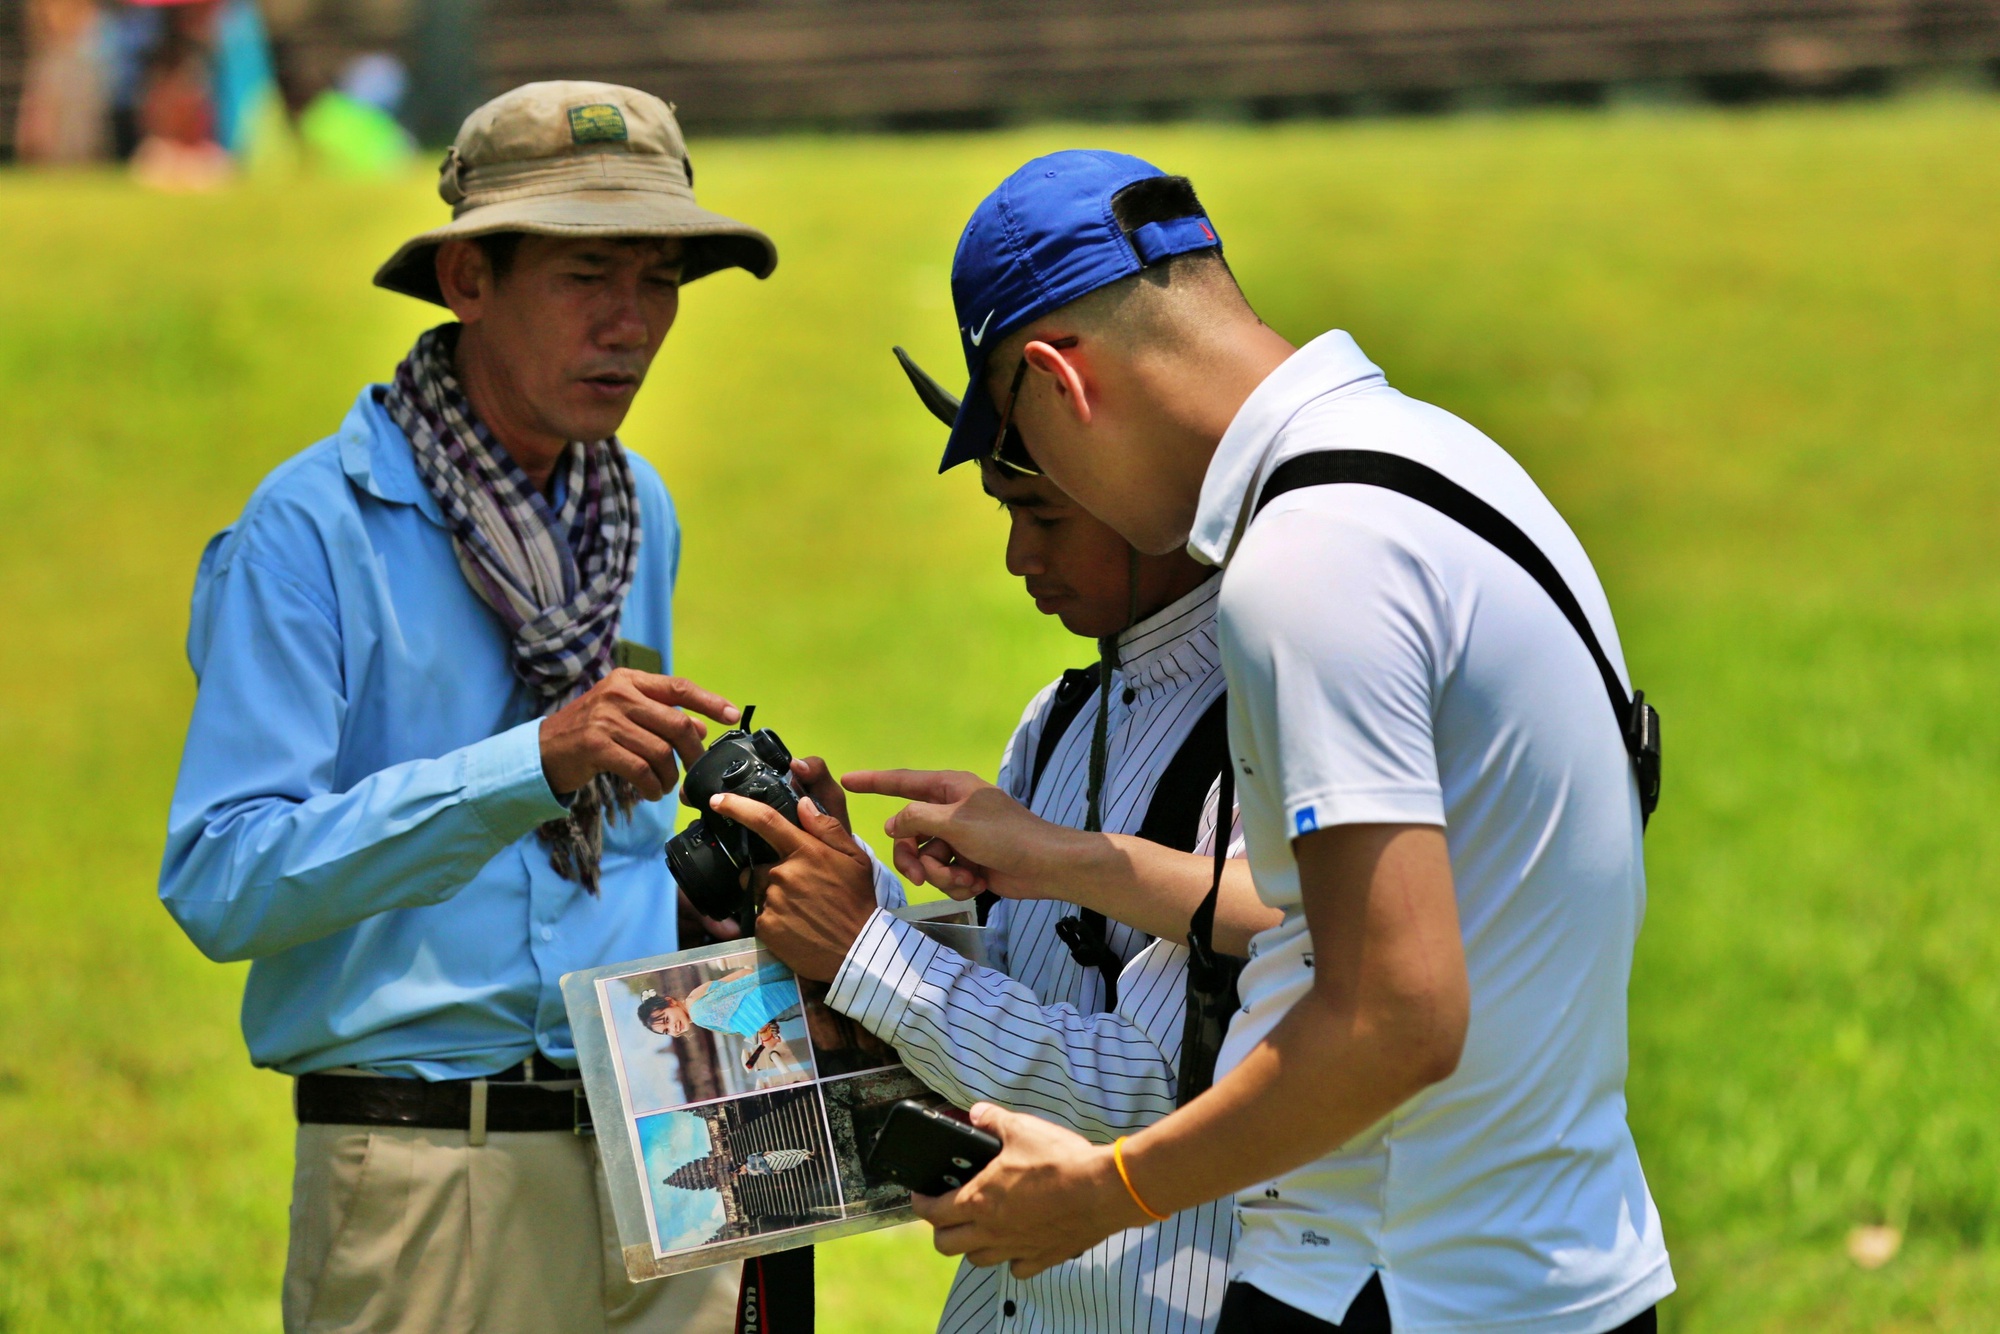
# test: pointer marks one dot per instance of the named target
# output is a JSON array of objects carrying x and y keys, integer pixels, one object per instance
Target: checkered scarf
[{"x": 555, "y": 576}]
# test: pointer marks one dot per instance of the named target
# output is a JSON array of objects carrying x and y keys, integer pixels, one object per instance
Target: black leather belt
[{"x": 502, "y": 1102}]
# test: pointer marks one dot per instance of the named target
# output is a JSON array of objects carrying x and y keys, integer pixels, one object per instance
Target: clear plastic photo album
[{"x": 733, "y": 1106}]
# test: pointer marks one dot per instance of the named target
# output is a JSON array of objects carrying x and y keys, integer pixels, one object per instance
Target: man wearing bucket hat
[{"x": 432, "y": 734}]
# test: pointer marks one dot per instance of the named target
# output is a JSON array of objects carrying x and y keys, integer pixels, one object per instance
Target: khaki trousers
[{"x": 418, "y": 1232}]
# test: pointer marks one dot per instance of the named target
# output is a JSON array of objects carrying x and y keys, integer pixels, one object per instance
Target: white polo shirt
[{"x": 1386, "y": 665}]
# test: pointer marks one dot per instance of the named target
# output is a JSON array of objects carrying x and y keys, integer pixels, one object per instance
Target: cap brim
[
  {"x": 977, "y": 425},
  {"x": 713, "y": 241},
  {"x": 939, "y": 401},
  {"x": 973, "y": 434}
]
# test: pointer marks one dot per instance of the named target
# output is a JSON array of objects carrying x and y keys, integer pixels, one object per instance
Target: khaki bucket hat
[{"x": 569, "y": 158}]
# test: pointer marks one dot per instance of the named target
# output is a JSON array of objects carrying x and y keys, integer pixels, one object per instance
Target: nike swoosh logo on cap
[{"x": 980, "y": 337}]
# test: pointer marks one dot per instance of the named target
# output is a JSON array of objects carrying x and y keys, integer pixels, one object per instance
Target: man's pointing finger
[
  {"x": 784, "y": 837},
  {"x": 933, "y": 785},
  {"x": 685, "y": 694}
]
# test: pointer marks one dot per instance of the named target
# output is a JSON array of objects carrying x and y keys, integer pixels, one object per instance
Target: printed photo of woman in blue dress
[
  {"x": 750, "y": 1002},
  {"x": 715, "y": 1027}
]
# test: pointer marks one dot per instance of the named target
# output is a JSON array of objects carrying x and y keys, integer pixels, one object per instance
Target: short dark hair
[
  {"x": 1164, "y": 199},
  {"x": 1155, "y": 199},
  {"x": 499, "y": 249}
]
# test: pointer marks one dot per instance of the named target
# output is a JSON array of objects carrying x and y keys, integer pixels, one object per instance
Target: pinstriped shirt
[{"x": 1030, "y": 1033}]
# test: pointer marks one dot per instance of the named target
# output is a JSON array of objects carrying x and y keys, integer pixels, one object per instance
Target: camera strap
[
  {"x": 776, "y": 1293},
  {"x": 1211, "y": 977},
  {"x": 1084, "y": 933},
  {"x": 1638, "y": 721}
]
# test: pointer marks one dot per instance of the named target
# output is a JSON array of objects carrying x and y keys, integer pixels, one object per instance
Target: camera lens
[{"x": 702, "y": 867}]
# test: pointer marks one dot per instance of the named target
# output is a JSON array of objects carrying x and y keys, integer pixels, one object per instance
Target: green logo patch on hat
[{"x": 599, "y": 123}]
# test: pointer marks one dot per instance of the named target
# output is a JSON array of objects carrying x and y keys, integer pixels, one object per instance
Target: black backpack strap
[
  {"x": 1071, "y": 692},
  {"x": 1173, "y": 817},
  {"x": 1638, "y": 722}
]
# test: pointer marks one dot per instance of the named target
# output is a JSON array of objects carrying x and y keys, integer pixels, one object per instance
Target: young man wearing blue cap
[{"x": 1420, "y": 1106}]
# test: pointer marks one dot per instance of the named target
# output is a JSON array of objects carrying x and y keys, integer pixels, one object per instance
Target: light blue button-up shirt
[{"x": 356, "y": 807}]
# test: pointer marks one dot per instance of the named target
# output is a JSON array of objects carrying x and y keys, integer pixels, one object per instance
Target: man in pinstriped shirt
[{"x": 1034, "y": 1032}]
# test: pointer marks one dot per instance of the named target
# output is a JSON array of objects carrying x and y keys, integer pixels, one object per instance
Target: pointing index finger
[
  {"x": 939, "y": 786},
  {"x": 685, "y": 694},
  {"x": 784, "y": 837}
]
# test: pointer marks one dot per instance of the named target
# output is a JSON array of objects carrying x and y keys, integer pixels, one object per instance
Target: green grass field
[{"x": 1752, "y": 357}]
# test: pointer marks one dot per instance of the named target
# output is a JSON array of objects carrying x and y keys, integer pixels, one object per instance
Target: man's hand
[
  {"x": 819, "y": 897},
  {"x": 698, "y": 928},
  {"x": 631, "y": 724},
  {"x": 965, "y": 836},
  {"x": 1050, "y": 1196},
  {"x": 813, "y": 779}
]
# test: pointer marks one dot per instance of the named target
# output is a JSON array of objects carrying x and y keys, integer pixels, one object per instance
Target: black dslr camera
[{"x": 709, "y": 857}]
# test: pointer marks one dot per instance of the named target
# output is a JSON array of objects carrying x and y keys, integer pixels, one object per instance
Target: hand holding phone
[{"x": 927, "y": 1151}]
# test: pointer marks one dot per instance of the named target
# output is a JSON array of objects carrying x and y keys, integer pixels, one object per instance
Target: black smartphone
[{"x": 928, "y": 1152}]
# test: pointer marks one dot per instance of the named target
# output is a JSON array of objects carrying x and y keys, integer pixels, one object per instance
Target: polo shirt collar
[
  {"x": 1332, "y": 363},
  {"x": 376, "y": 456}
]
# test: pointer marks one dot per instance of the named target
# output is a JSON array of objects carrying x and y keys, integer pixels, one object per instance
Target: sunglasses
[{"x": 1010, "y": 452}]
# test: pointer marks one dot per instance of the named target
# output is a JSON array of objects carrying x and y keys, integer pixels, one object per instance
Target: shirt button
[
  {"x": 548, "y": 933},
  {"x": 1007, "y": 1308},
  {"x": 1130, "y": 694}
]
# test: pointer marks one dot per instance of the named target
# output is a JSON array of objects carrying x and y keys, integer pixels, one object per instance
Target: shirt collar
[
  {"x": 376, "y": 456},
  {"x": 1330, "y": 364},
  {"x": 1174, "y": 644}
]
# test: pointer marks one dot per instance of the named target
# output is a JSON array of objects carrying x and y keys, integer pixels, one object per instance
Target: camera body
[{"x": 709, "y": 857}]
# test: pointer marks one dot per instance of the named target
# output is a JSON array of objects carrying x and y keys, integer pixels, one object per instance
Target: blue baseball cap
[{"x": 1041, "y": 240}]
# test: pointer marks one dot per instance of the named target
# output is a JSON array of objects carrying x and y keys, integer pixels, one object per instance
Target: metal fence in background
[
  {"x": 13, "y": 57},
  {"x": 753, "y": 63},
  {"x": 756, "y": 64}
]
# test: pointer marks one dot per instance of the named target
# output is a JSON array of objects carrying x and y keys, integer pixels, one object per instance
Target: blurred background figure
[
  {"x": 185, "y": 89},
  {"x": 202, "y": 87},
  {"x": 130, "y": 34},
  {"x": 178, "y": 148},
  {"x": 243, "y": 81},
  {"x": 63, "y": 94},
  {"x": 351, "y": 129}
]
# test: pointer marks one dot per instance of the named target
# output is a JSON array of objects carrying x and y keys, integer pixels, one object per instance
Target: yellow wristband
[{"x": 1118, "y": 1157}]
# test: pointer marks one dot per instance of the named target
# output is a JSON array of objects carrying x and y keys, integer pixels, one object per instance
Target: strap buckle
[
  {"x": 1084, "y": 934},
  {"x": 1642, "y": 739},
  {"x": 1087, "y": 948}
]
